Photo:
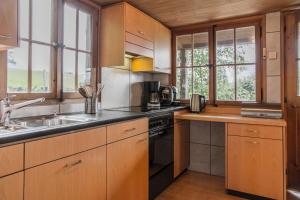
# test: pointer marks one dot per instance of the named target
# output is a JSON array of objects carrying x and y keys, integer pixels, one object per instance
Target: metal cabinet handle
[
  {"x": 141, "y": 140},
  {"x": 252, "y": 130},
  {"x": 6, "y": 36},
  {"x": 252, "y": 142},
  {"x": 73, "y": 164},
  {"x": 141, "y": 32},
  {"x": 129, "y": 130}
]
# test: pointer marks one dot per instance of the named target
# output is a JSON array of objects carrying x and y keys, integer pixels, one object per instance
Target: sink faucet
[{"x": 6, "y": 108}]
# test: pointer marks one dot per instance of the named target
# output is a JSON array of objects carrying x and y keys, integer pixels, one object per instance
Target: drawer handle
[
  {"x": 73, "y": 164},
  {"x": 252, "y": 142},
  {"x": 6, "y": 36},
  {"x": 142, "y": 140},
  {"x": 252, "y": 131},
  {"x": 141, "y": 32},
  {"x": 129, "y": 130}
]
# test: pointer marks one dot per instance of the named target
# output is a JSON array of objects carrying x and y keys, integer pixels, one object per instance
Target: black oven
[{"x": 161, "y": 151}]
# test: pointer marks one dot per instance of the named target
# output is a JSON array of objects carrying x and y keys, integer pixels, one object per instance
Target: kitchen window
[
  {"x": 222, "y": 63},
  {"x": 58, "y": 49},
  {"x": 30, "y": 66}
]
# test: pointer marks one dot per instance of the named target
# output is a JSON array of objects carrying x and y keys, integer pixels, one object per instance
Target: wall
[{"x": 273, "y": 64}]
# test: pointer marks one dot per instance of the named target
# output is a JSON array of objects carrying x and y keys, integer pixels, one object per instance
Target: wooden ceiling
[{"x": 175, "y": 13}]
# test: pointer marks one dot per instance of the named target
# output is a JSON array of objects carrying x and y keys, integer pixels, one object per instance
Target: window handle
[
  {"x": 58, "y": 45},
  {"x": 209, "y": 65}
]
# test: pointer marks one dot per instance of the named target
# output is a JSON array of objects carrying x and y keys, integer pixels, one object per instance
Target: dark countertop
[{"x": 102, "y": 118}]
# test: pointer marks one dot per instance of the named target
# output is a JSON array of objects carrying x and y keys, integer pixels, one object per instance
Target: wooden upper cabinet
[
  {"x": 162, "y": 50},
  {"x": 127, "y": 30},
  {"x": 9, "y": 23},
  {"x": 256, "y": 166},
  {"x": 127, "y": 168},
  {"x": 138, "y": 23},
  {"x": 82, "y": 176}
]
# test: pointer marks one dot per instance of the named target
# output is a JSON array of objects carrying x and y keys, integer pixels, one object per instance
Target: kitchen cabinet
[
  {"x": 11, "y": 187},
  {"x": 9, "y": 23},
  {"x": 46, "y": 150},
  {"x": 127, "y": 168},
  {"x": 181, "y": 146},
  {"x": 11, "y": 159},
  {"x": 127, "y": 33},
  {"x": 255, "y": 160},
  {"x": 82, "y": 176},
  {"x": 162, "y": 49}
]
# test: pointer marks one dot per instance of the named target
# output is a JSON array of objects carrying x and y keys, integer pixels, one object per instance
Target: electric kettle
[{"x": 197, "y": 103}]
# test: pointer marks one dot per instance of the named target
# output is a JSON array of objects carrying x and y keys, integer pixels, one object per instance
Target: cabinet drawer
[
  {"x": 138, "y": 23},
  {"x": 11, "y": 159},
  {"x": 45, "y": 150},
  {"x": 11, "y": 187},
  {"x": 257, "y": 131},
  {"x": 135, "y": 49},
  {"x": 78, "y": 177},
  {"x": 138, "y": 41},
  {"x": 126, "y": 129}
]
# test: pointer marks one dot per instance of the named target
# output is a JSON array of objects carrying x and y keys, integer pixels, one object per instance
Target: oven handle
[{"x": 157, "y": 134}]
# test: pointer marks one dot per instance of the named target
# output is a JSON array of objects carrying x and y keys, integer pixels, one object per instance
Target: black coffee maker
[{"x": 150, "y": 95}]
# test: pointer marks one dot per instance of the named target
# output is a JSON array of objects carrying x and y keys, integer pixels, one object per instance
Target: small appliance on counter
[
  {"x": 197, "y": 103},
  {"x": 166, "y": 95},
  {"x": 175, "y": 101},
  {"x": 268, "y": 111},
  {"x": 150, "y": 95}
]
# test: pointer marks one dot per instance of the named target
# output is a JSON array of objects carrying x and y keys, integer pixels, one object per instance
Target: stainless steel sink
[{"x": 50, "y": 121}]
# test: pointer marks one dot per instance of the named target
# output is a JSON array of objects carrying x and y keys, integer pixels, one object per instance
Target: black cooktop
[{"x": 141, "y": 109}]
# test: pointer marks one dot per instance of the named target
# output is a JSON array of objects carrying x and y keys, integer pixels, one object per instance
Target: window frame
[
  {"x": 212, "y": 28},
  {"x": 56, "y": 82}
]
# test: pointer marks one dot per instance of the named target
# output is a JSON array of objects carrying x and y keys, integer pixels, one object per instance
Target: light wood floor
[{"x": 196, "y": 186}]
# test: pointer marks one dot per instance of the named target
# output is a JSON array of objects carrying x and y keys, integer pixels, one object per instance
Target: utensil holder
[{"x": 91, "y": 105}]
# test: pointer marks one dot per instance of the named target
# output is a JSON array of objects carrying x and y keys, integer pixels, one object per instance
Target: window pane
[
  {"x": 84, "y": 67},
  {"x": 24, "y": 18},
  {"x": 184, "y": 82},
  {"x": 246, "y": 83},
  {"x": 245, "y": 45},
  {"x": 17, "y": 73},
  {"x": 69, "y": 63},
  {"x": 225, "y": 83},
  {"x": 200, "y": 49},
  {"x": 184, "y": 50},
  {"x": 85, "y": 31},
  {"x": 69, "y": 26},
  {"x": 201, "y": 81},
  {"x": 225, "y": 47},
  {"x": 41, "y": 68},
  {"x": 41, "y": 20}
]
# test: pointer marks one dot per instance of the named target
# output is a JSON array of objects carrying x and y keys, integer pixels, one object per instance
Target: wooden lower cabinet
[
  {"x": 127, "y": 169},
  {"x": 11, "y": 187},
  {"x": 82, "y": 176},
  {"x": 256, "y": 166},
  {"x": 181, "y": 147}
]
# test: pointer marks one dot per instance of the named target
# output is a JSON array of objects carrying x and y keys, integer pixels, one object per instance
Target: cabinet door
[
  {"x": 162, "y": 52},
  {"x": 11, "y": 187},
  {"x": 181, "y": 147},
  {"x": 127, "y": 168},
  {"x": 9, "y": 23},
  {"x": 138, "y": 23},
  {"x": 255, "y": 166},
  {"x": 78, "y": 177}
]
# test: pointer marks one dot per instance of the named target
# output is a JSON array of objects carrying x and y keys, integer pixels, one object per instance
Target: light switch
[{"x": 272, "y": 55}]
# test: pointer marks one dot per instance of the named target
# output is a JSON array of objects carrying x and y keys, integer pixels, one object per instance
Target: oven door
[{"x": 161, "y": 150}]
